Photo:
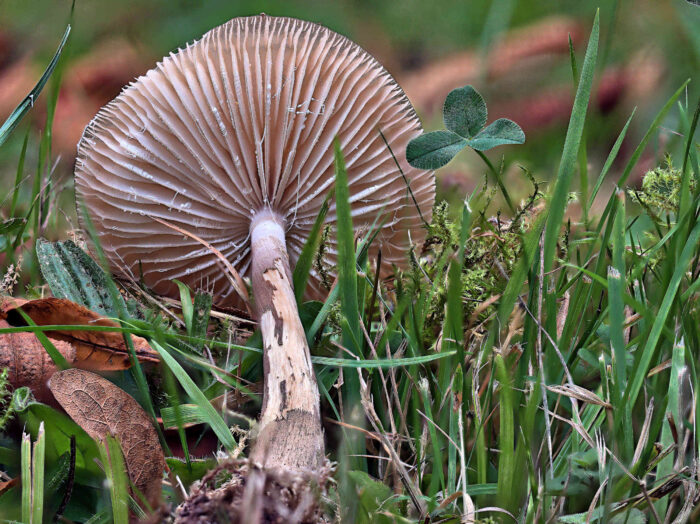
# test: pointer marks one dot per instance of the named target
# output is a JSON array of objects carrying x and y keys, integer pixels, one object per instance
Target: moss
[
  {"x": 6, "y": 408},
  {"x": 492, "y": 249},
  {"x": 490, "y": 252},
  {"x": 335, "y": 319},
  {"x": 661, "y": 188},
  {"x": 319, "y": 265},
  {"x": 442, "y": 229}
]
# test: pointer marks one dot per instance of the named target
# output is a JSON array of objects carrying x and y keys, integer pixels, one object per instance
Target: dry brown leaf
[
  {"x": 7, "y": 303},
  {"x": 234, "y": 277},
  {"x": 102, "y": 409},
  {"x": 28, "y": 363},
  {"x": 95, "y": 350},
  {"x": 7, "y": 484}
]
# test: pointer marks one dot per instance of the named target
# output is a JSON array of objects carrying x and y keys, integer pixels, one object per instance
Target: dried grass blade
[{"x": 234, "y": 277}]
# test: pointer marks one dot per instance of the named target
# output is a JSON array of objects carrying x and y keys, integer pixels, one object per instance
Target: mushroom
[{"x": 231, "y": 140}]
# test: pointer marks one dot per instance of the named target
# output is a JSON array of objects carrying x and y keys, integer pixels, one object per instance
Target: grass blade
[
  {"x": 647, "y": 353},
  {"x": 506, "y": 435},
  {"x": 55, "y": 355},
  {"x": 616, "y": 280},
  {"x": 665, "y": 467},
  {"x": 574, "y": 133},
  {"x": 455, "y": 432},
  {"x": 437, "y": 480},
  {"x": 609, "y": 161},
  {"x": 18, "y": 176},
  {"x": 38, "y": 458},
  {"x": 26, "y": 459},
  {"x": 347, "y": 286},
  {"x": 26, "y": 104},
  {"x": 213, "y": 418},
  {"x": 322, "y": 315},
  {"x": 382, "y": 363},
  {"x": 302, "y": 269},
  {"x": 186, "y": 305},
  {"x": 347, "y": 274},
  {"x": 115, "y": 471},
  {"x": 685, "y": 193}
]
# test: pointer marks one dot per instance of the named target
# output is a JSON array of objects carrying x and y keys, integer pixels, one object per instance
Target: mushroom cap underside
[{"x": 242, "y": 121}]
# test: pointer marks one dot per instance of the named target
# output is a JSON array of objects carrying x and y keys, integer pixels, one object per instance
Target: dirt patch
[{"x": 238, "y": 491}]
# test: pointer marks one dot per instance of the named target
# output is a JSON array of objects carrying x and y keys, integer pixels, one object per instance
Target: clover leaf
[
  {"x": 464, "y": 111},
  {"x": 465, "y": 115}
]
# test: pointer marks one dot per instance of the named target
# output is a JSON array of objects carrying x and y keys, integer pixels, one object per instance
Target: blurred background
[{"x": 516, "y": 53}]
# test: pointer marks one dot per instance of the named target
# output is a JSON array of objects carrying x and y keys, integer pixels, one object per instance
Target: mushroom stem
[{"x": 290, "y": 434}]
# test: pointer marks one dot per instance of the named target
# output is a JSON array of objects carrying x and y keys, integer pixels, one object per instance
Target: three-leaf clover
[{"x": 464, "y": 114}]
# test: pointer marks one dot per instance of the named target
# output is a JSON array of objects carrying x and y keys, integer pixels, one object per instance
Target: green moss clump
[
  {"x": 661, "y": 188},
  {"x": 322, "y": 269},
  {"x": 6, "y": 408},
  {"x": 492, "y": 249}
]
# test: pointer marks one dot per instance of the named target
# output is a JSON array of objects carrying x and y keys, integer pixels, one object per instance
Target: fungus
[{"x": 231, "y": 139}]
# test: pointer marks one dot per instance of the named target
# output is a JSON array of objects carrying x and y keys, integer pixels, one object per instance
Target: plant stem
[
  {"x": 290, "y": 435},
  {"x": 499, "y": 180}
]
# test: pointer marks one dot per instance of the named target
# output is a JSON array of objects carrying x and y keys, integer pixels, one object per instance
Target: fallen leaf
[
  {"x": 7, "y": 303},
  {"x": 95, "y": 350},
  {"x": 7, "y": 484},
  {"x": 28, "y": 363},
  {"x": 102, "y": 409}
]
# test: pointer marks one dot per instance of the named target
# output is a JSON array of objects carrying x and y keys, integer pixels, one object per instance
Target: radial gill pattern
[{"x": 240, "y": 121}]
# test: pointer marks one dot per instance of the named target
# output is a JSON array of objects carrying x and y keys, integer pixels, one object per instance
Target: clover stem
[{"x": 499, "y": 180}]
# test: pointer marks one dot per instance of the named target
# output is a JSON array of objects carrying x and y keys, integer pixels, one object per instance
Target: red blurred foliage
[
  {"x": 428, "y": 86},
  {"x": 635, "y": 81},
  {"x": 17, "y": 79},
  {"x": 513, "y": 67},
  {"x": 88, "y": 84}
]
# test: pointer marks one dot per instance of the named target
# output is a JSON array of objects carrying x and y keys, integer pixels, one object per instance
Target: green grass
[
  {"x": 118, "y": 482},
  {"x": 539, "y": 367}
]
